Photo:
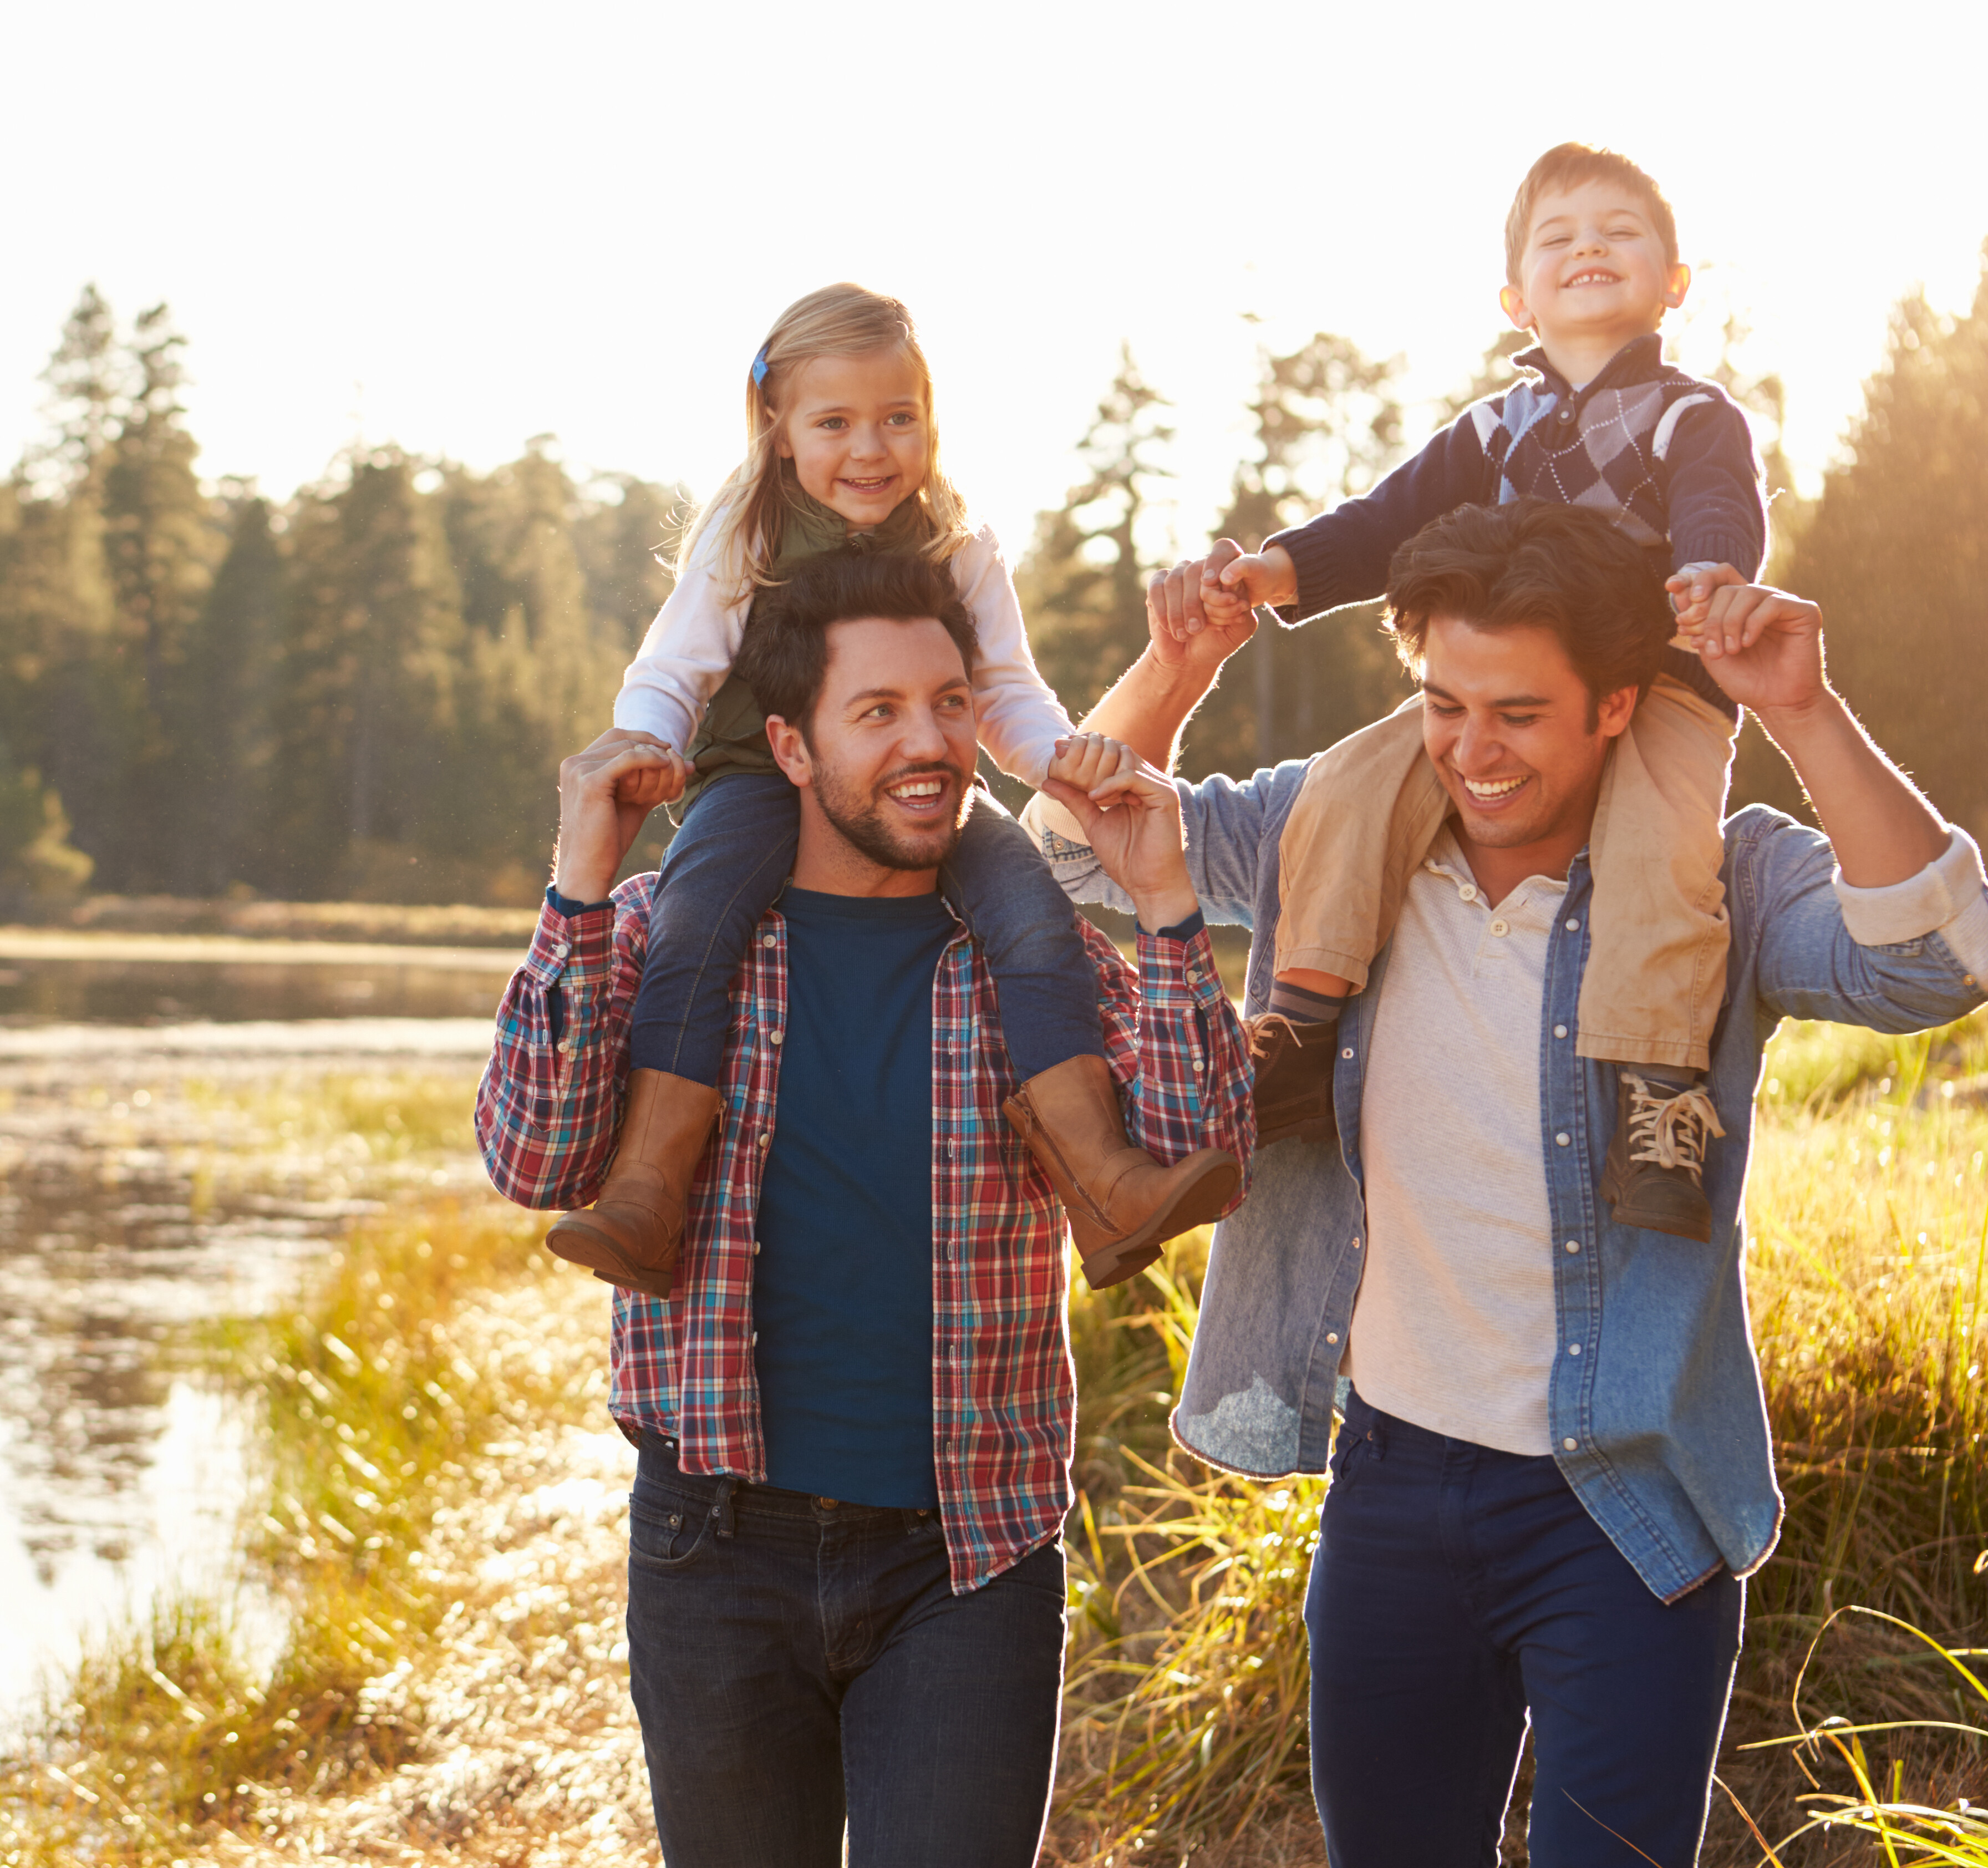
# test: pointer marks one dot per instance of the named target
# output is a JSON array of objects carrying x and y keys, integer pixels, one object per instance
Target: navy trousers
[
  {"x": 1457, "y": 1590},
  {"x": 728, "y": 862},
  {"x": 798, "y": 1662}
]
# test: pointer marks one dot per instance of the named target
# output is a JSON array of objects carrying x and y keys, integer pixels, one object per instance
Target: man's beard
[{"x": 859, "y": 817}]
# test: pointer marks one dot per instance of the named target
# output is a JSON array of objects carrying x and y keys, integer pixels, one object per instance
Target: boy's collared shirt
[
  {"x": 547, "y": 1117},
  {"x": 1659, "y": 1424}
]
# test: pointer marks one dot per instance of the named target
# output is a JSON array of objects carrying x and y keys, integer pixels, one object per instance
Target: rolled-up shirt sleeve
[{"x": 1948, "y": 897}]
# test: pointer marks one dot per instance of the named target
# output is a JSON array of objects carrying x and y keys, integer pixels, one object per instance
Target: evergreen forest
[{"x": 363, "y": 692}]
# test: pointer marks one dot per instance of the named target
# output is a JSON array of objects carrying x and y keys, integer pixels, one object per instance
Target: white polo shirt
[{"x": 1454, "y": 1326}]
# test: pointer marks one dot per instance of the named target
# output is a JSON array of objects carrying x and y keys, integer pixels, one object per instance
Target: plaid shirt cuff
[{"x": 580, "y": 947}]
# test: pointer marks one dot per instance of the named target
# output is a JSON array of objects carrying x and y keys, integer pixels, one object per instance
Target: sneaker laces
[{"x": 1669, "y": 1130}]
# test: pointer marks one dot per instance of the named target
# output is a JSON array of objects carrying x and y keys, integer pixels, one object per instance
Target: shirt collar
[
  {"x": 1638, "y": 361},
  {"x": 1446, "y": 859}
]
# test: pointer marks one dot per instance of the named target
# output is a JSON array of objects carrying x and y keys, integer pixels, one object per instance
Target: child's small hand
[
  {"x": 1099, "y": 767},
  {"x": 1691, "y": 587},
  {"x": 649, "y": 784}
]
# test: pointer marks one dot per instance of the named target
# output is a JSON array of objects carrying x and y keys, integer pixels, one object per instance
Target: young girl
[{"x": 842, "y": 453}]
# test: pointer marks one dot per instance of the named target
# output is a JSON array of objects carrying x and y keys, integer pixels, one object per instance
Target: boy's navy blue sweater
[{"x": 1667, "y": 457}]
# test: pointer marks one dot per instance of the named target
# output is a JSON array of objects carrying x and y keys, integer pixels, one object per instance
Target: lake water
[{"x": 144, "y": 1190}]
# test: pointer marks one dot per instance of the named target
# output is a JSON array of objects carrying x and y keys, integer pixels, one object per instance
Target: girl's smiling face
[
  {"x": 856, "y": 429},
  {"x": 1595, "y": 266}
]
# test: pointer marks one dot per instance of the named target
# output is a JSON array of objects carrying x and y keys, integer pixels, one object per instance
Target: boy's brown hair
[
  {"x": 1568, "y": 165},
  {"x": 1536, "y": 563}
]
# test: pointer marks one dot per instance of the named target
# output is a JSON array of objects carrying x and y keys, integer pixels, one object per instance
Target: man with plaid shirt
[{"x": 854, "y": 1413}]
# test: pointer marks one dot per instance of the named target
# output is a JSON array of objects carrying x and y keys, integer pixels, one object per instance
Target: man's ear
[
  {"x": 790, "y": 752},
  {"x": 1512, "y": 302},
  {"x": 1614, "y": 711}
]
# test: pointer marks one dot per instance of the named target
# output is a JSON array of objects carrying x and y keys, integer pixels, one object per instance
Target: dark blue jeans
[
  {"x": 727, "y": 864},
  {"x": 796, "y": 1662},
  {"x": 1455, "y": 1588}
]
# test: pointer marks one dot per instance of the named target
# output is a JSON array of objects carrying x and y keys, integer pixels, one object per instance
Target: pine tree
[
  {"x": 1328, "y": 426},
  {"x": 229, "y": 674},
  {"x": 1897, "y": 555},
  {"x": 1082, "y": 585},
  {"x": 161, "y": 544},
  {"x": 365, "y": 714}
]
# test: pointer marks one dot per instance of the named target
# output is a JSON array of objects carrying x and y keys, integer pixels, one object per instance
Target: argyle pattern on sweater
[{"x": 1601, "y": 446}]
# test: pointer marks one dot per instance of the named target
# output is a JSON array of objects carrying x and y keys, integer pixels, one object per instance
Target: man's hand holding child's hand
[
  {"x": 649, "y": 784},
  {"x": 1129, "y": 815},
  {"x": 1692, "y": 588}
]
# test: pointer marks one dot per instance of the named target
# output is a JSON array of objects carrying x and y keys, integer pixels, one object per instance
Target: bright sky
[{"x": 456, "y": 227}]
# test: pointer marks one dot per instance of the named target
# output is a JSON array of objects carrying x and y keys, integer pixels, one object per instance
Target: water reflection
[{"x": 148, "y": 1181}]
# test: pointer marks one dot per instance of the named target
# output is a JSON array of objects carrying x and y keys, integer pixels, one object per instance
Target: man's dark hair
[
  {"x": 1539, "y": 563},
  {"x": 1568, "y": 165},
  {"x": 783, "y": 655}
]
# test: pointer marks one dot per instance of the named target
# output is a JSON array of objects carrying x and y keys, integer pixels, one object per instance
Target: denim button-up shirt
[{"x": 1660, "y": 1426}]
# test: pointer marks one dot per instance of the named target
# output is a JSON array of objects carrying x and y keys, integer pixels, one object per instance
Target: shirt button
[
  {"x": 767, "y": 940},
  {"x": 565, "y": 1045},
  {"x": 765, "y": 1138},
  {"x": 1332, "y": 1335},
  {"x": 756, "y": 1248},
  {"x": 1573, "y": 1349},
  {"x": 1562, "y": 1139},
  {"x": 1574, "y": 924},
  {"x": 1574, "y": 1245},
  {"x": 774, "y": 1037},
  {"x": 1565, "y": 414},
  {"x": 1559, "y": 1031},
  {"x": 1501, "y": 927},
  {"x": 1572, "y": 1446},
  {"x": 1469, "y": 892},
  {"x": 755, "y": 1339},
  {"x": 563, "y": 950},
  {"x": 1348, "y": 1052},
  {"x": 1356, "y": 1245}
]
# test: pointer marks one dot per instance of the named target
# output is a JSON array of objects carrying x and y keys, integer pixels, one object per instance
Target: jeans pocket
[{"x": 666, "y": 1535}]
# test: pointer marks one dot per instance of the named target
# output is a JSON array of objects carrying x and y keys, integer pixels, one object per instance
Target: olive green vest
[{"x": 732, "y": 737}]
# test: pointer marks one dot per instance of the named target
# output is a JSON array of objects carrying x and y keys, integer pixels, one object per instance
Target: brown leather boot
[
  {"x": 1293, "y": 1087},
  {"x": 1123, "y": 1205},
  {"x": 1654, "y": 1175},
  {"x": 630, "y": 1234}
]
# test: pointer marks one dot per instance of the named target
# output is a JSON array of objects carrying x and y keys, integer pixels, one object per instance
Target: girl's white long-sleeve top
[{"x": 692, "y": 644}]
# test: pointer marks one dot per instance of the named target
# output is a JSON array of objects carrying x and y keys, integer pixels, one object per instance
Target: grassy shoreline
[{"x": 444, "y": 1524}]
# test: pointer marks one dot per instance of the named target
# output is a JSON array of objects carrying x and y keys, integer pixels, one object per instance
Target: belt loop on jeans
[{"x": 721, "y": 1506}]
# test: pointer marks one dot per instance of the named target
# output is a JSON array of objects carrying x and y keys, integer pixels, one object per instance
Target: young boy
[{"x": 1601, "y": 421}]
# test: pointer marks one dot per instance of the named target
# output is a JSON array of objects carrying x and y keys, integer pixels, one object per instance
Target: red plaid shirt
[{"x": 1004, "y": 1394}]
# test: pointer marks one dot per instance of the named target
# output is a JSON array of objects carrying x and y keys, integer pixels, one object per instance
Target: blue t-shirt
[{"x": 842, "y": 1288}]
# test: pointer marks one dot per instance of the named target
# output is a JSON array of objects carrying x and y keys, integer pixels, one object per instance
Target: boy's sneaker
[
  {"x": 1293, "y": 1087},
  {"x": 1654, "y": 1175}
]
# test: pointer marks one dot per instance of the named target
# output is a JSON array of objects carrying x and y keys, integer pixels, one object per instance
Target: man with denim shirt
[
  {"x": 1551, "y": 1518},
  {"x": 854, "y": 1410}
]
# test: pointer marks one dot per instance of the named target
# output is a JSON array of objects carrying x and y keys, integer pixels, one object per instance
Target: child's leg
[
  {"x": 1656, "y": 969},
  {"x": 1658, "y": 927},
  {"x": 1123, "y": 1205},
  {"x": 1027, "y": 930},
  {"x": 1369, "y": 811},
  {"x": 725, "y": 866}
]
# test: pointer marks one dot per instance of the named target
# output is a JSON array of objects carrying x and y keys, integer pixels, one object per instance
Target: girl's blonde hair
[{"x": 748, "y": 514}]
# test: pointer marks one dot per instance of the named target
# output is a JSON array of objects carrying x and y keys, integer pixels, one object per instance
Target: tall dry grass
[
  {"x": 428, "y": 1350},
  {"x": 1868, "y": 1205},
  {"x": 379, "y": 1396}
]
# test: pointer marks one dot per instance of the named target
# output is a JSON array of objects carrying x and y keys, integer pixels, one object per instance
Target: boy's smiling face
[{"x": 1594, "y": 274}]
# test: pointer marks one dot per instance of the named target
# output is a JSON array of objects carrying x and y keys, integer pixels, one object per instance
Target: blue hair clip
[{"x": 759, "y": 365}]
